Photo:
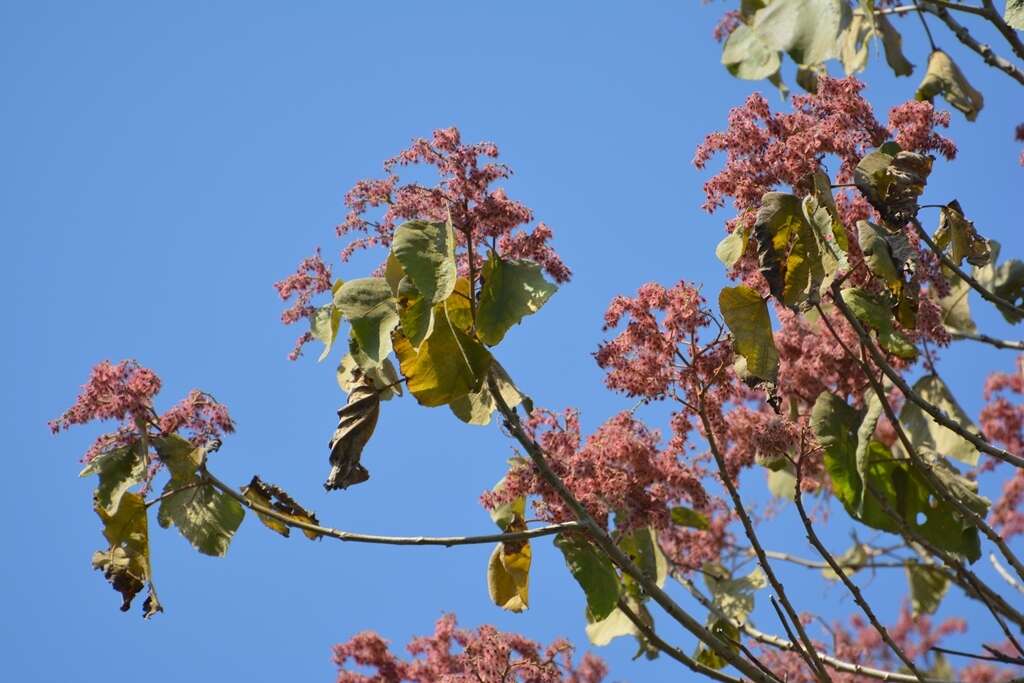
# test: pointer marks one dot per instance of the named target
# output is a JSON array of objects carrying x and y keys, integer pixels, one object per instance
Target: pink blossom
[
  {"x": 912, "y": 125},
  {"x": 726, "y": 25},
  {"x": 123, "y": 391},
  {"x": 201, "y": 416},
  {"x": 485, "y": 655},
  {"x": 1002, "y": 422},
  {"x": 312, "y": 277}
]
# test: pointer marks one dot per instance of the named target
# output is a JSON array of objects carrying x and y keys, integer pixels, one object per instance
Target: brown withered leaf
[
  {"x": 960, "y": 235},
  {"x": 274, "y": 497},
  {"x": 893, "y": 182},
  {"x": 356, "y": 422}
]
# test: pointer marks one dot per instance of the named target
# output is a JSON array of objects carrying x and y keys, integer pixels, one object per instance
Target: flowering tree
[{"x": 841, "y": 397}]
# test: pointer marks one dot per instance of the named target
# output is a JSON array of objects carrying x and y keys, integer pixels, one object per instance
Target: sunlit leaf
[
  {"x": 875, "y": 312},
  {"x": 593, "y": 571},
  {"x": 427, "y": 253},
  {"x": 927, "y": 435},
  {"x": 854, "y": 43},
  {"x": 356, "y": 422},
  {"x": 955, "y": 306},
  {"x": 1014, "y": 14},
  {"x": 731, "y": 248},
  {"x": 945, "y": 78},
  {"x": 641, "y": 546},
  {"x": 477, "y": 407},
  {"x": 892, "y": 180},
  {"x": 1005, "y": 281},
  {"x": 878, "y": 255},
  {"x": 415, "y": 313},
  {"x": 892, "y": 42},
  {"x": 807, "y": 30},
  {"x": 119, "y": 469},
  {"x": 274, "y": 497},
  {"x": 734, "y": 597},
  {"x": 508, "y": 571},
  {"x": 747, "y": 56},
  {"x": 206, "y": 517},
  {"x": 369, "y": 305},
  {"x": 960, "y": 236},
  {"x": 850, "y": 561},
  {"x": 726, "y": 632},
  {"x": 511, "y": 290},
  {"x": 690, "y": 518},
  {"x": 126, "y": 562},
  {"x": 355, "y": 366},
  {"x": 927, "y": 588},
  {"x": 746, "y": 314},
  {"x": 324, "y": 325}
]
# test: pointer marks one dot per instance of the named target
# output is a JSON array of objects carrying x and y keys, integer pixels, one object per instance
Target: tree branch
[
  {"x": 964, "y": 36},
  {"x": 985, "y": 339}
]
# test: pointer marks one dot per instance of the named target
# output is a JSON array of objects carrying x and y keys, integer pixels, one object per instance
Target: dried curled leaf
[
  {"x": 960, "y": 236},
  {"x": 125, "y": 563},
  {"x": 356, "y": 422},
  {"x": 945, "y": 78},
  {"x": 275, "y": 498},
  {"x": 892, "y": 180}
]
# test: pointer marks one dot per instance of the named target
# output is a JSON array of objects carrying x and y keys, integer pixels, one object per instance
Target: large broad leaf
[
  {"x": 955, "y": 306},
  {"x": 878, "y": 255},
  {"x": 727, "y": 632},
  {"x": 779, "y": 219},
  {"x": 746, "y": 314},
  {"x": 901, "y": 489},
  {"x": 119, "y": 470},
  {"x": 180, "y": 455},
  {"x": 324, "y": 325},
  {"x": 476, "y": 408},
  {"x": 356, "y": 422},
  {"x": 875, "y": 312},
  {"x": 277, "y": 499},
  {"x": 355, "y": 367},
  {"x": 945, "y": 78},
  {"x": 1005, "y": 281},
  {"x": 641, "y": 546},
  {"x": 206, "y": 517},
  {"x": 892, "y": 180},
  {"x": 928, "y": 436},
  {"x": 415, "y": 313},
  {"x": 369, "y": 305},
  {"x": 807, "y": 30},
  {"x": 690, "y": 518},
  {"x": 448, "y": 365},
  {"x": 600, "y": 632},
  {"x": 511, "y": 291},
  {"x": 508, "y": 571},
  {"x": 427, "y": 254},
  {"x": 593, "y": 571},
  {"x": 1014, "y": 14},
  {"x": 854, "y": 43},
  {"x": 731, "y": 248},
  {"x": 126, "y": 562},
  {"x": 892, "y": 41},
  {"x": 927, "y": 588},
  {"x": 747, "y": 56},
  {"x": 733, "y": 596}
]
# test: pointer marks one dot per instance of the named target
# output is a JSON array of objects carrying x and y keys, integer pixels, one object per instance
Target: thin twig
[
  {"x": 985, "y": 339},
  {"x": 1001, "y": 570}
]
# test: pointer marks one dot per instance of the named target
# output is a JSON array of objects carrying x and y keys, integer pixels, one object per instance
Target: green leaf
[
  {"x": 955, "y": 306},
  {"x": 726, "y": 632},
  {"x": 851, "y": 561},
  {"x": 513, "y": 512},
  {"x": 593, "y": 571},
  {"x": 1005, "y": 281},
  {"x": 945, "y": 78},
  {"x": 511, "y": 290},
  {"x": 427, "y": 254},
  {"x": 275, "y": 498},
  {"x": 324, "y": 325},
  {"x": 206, "y": 517},
  {"x": 371, "y": 308},
  {"x": 600, "y": 632},
  {"x": 393, "y": 272},
  {"x": 641, "y": 545},
  {"x": 1014, "y": 14},
  {"x": 731, "y": 248},
  {"x": 865, "y": 434},
  {"x": 415, "y": 313},
  {"x": 892, "y": 42},
  {"x": 899, "y": 487},
  {"x": 807, "y": 30},
  {"x": 180, "y": 455},
  {"x": 746, "y": 55},
  {"x": 927, "y": 588},
  {"x": 779, "y": 219},
  {"x": 119, "y": 470},
  {"x": 782, "y": 483},
  {"x": 476, "y": 408},
  {"x": 126, "y": 562},
  {"x": 355, "y": 366},
  {"x": 746, "y": 314},
  {"x": 876, "y": 313},
  {"x": 878, "y": 255},
  {"x": 690, "y": 518},
  {"x": 356, "y": 422},
  {"x": 928, "y": 436},
  {"x": 734, "y": 597},
  {"x": 447, "y": 366}
]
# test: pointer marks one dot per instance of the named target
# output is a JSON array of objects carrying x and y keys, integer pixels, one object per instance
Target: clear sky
[{"x": 164, "y": 163}]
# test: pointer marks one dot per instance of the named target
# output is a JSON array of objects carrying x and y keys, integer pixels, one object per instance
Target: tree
[{"x": 841, "y": 398}]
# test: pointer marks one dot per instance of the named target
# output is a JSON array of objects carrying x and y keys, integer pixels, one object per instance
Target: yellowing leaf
[
  {"x": 324, "y": 325},
  {"x": 927, "y": 435},
  {"x": 448, "y": 365},
  {"x": 746, "y": 314},
  {"x": 1014, "y": 14},
  {"x": 960, "y": 235},
  {"x": 734, "y": 597},
  {"x": 369, "y": 305},
  {"x": 126, "y": 564},
  {"x": 275, "y": 498},
  {"x": 119, "y": 470},
  {"x": 476, "y": 408},
  {"x": 875, "y": 313},
  {"x": 878, "y": 255},
  {"x": 689, "y": 518},
  {"x": 512, "y": 289},
  {"x": 892, "y": 41},
  {"x": 850, "y": 561},
  {"x": 508, "y": 576},
  {"x": 945, "y": 78},
  {"x": 356, "y": 422},
  {"x": 807, "y": 30},
  {"x": 731, "y": 248},
  {"x": 415, "y": 313}
]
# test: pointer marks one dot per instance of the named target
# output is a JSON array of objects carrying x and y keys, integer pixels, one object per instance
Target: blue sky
[{"x": 164, "y": 163}]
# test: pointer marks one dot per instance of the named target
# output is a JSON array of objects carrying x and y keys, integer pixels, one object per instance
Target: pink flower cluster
[
  {"x": 463, "y": 189},
  {"x": 1002, "y": 422},
  {"x": 620, "y": 469},
  {"x": 643, "y": 359},
  {"x": 727, "y": 23},
  {"x": 312, "y": 277},
  {"x": 912, "y": 125},
  {"x": 485, "y": 655},
  {"x": 125, "y": 392}
]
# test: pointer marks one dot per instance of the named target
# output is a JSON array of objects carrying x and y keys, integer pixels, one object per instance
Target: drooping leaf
[
  {"x": 746, "y": 314},
  {"x": 512, "y": 289},
  {"x": 356, "y": 422},
  {"x": 512, "y": 513},
  {"x": 180, "y": 455},
  {"x": 892, "y": 180},
  {"x": 782, "y": 483},
  {"x": 690, "y": 518},
  {"x": 731, "y": 248},
  {"x": 1005, "y": 281},
  {"x": 747, "y": 56},
  {"x": 427, "y": 254},
  {"x": 369, "y": 305},
  {"x": 600, "y": 632},
  {"x": 955, "y": 306},
  {"x": 807, "y": 30},
  {"x": 206, "y": 517},
  {"x": 593, "y": 571},
  {"x": 892, "y": 42},
  {"x": 850, "y": 561},
  {"x": 875, "y": 312},
  {"x": 734, "y": 597},
  {"x": 415, "y": 313},
  {"x": 855, "y": 41},
  {"x": 891, "y": 483},
  {"x": 508, "y": 571},
  {"x": 927, "y": 588},
  {"x": 945, "y": 78},
  {"x": 476, "y": 408},
  {"x": 1014, "y": 14},
  {"x": 449, "y": 364},
  {"x": 726, "y": 632},
  {"x": 277, "y": 499},
  {"x": 324, "y": 325},
  {"x": 878, "y": 255},
  {"x": 928, "y": 436},
  {"x": 641, "y": 546},
  {"x": 865, "y": 434},
  {"x": 126, "y": 562},
  {"x": 393, "y": 272},
  {"x": 351, "y": 372},
  {"x": 119, "y": 469},
  {"x": 960, "y": 236},
  {"x": 778, "y": 220}
]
